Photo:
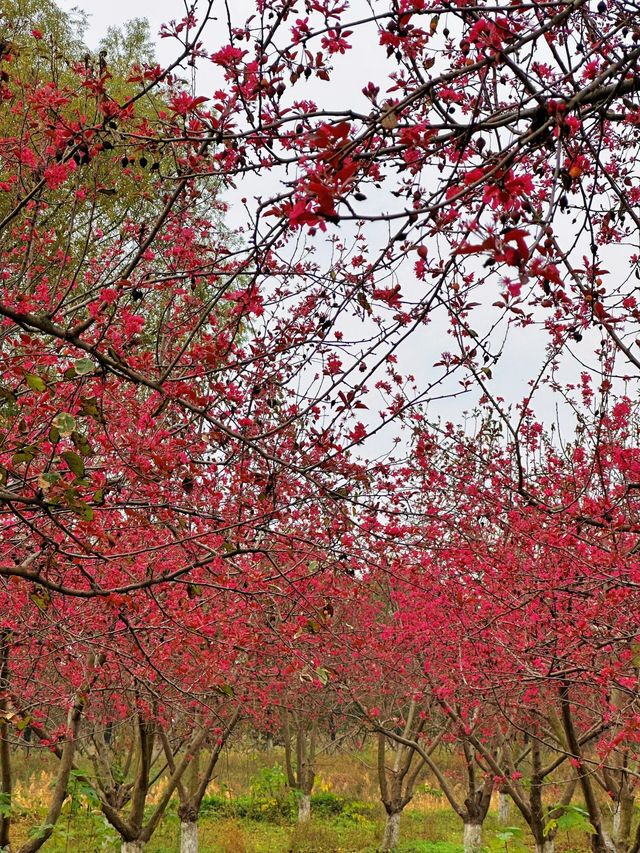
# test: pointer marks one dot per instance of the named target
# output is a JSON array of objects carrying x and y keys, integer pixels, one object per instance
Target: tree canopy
[{"x": 238, "y": 294}]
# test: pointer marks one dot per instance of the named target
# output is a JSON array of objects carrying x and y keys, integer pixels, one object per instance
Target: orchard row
[{"x": 239, "y": 320}]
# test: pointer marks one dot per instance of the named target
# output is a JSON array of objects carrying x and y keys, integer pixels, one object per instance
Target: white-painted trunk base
[
  {"x": 617, "y": 819},
  {"x": 622, "y": 820},
  {"x": 472, "y": 838},
  {"x": 188, "y": 837},
  {"x": 548, "y": 846},
  {"x": 132, "y": 847},
  {"x": 304, "y": 808},
  {"x": 504, "y": 808},
  {"x": 391, "y": 832}
]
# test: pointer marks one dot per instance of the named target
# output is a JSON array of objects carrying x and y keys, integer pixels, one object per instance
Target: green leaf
[
  {"x": 22, "y": 724},
  {"x": 40, "y": 831},
  {"x": 5, "y": 804},
  {"x": 81, "y": 443},
  {"x": 35, "y": 382},
  {"x": 75, "y": 463},
  {"x": 323, "y": 674},
  {"x": 194, "y": 590},
  {"x": 509, "y": 833},
  {"x": 91, "y": 409},
  {"x": 26, "y": 454},
  {"x": 572, "y": 818},
  {"x": 83, "y": 510},
  {"x": 41, "y": 597},
  {"x": 84, "y": 366},
  {"x": 50, "y": 478},
  {"x": 82, "y": 787},
  {"x": 65, "y": 423}
]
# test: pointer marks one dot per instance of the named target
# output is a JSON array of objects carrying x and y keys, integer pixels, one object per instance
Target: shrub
[{"x": 271, "y": 800}]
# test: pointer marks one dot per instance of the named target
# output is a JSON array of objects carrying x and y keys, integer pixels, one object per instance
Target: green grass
[
  {"x": 251, "y": 810},
  {"x": 353, "y": 830}
]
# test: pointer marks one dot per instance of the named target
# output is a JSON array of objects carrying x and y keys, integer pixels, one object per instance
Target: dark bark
[
  {"x": 5, "y": 755},
  {"x": 600, "y": 841}
]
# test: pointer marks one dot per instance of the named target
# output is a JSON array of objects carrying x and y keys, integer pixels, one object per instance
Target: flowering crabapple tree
[
  {"x": 408, "y": 659},
  {"x": 170, "y": 709},
  {"x": 311, "y": 702},
  {"x": 183, "y": 405},
  {"x": 300, "y": 761},
  {"x": 141, "y": 401},
  {"x": 51, "y": 705},
  {"x": 400, "y": 767},
  {"x": 135, "y": 827},
  {"x": 125, "y": 302},
  {"x": 532, "y": 578},
  {"x": 297, "y": 690},
  {"x": 193, "y": 786},
  {"x": 349, "y": 669},
  {"x": 618, "y": 778}
]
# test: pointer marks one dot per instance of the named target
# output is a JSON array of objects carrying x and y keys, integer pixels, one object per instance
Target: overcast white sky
[{"x": 114, "y": 12}]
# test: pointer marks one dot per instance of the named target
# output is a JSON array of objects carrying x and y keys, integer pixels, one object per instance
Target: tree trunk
[
  {"x": 391, "y": 832},
  {"x": 547, "y": 846},
  {"x": 64, "y": 771},
  {"x": 188, "y": 837},
  {"x": 504, "y": 808},
  {"x": 5, "y": 754},
  {"x": 473, "y": 838},
  {"x": 304, "y": 808},
  {"x": 600, "y": 840},
  {"x": 132, "y": 847},
  {"x": 622, "y": 817},
  {"x": 603, "y": 843}
]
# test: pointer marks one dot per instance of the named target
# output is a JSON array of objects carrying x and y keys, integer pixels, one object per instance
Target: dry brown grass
[
  {"x": 233, "y": 838},
  {"x": 33, "y": 793},
  {"x": 349, "y": 774}
]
